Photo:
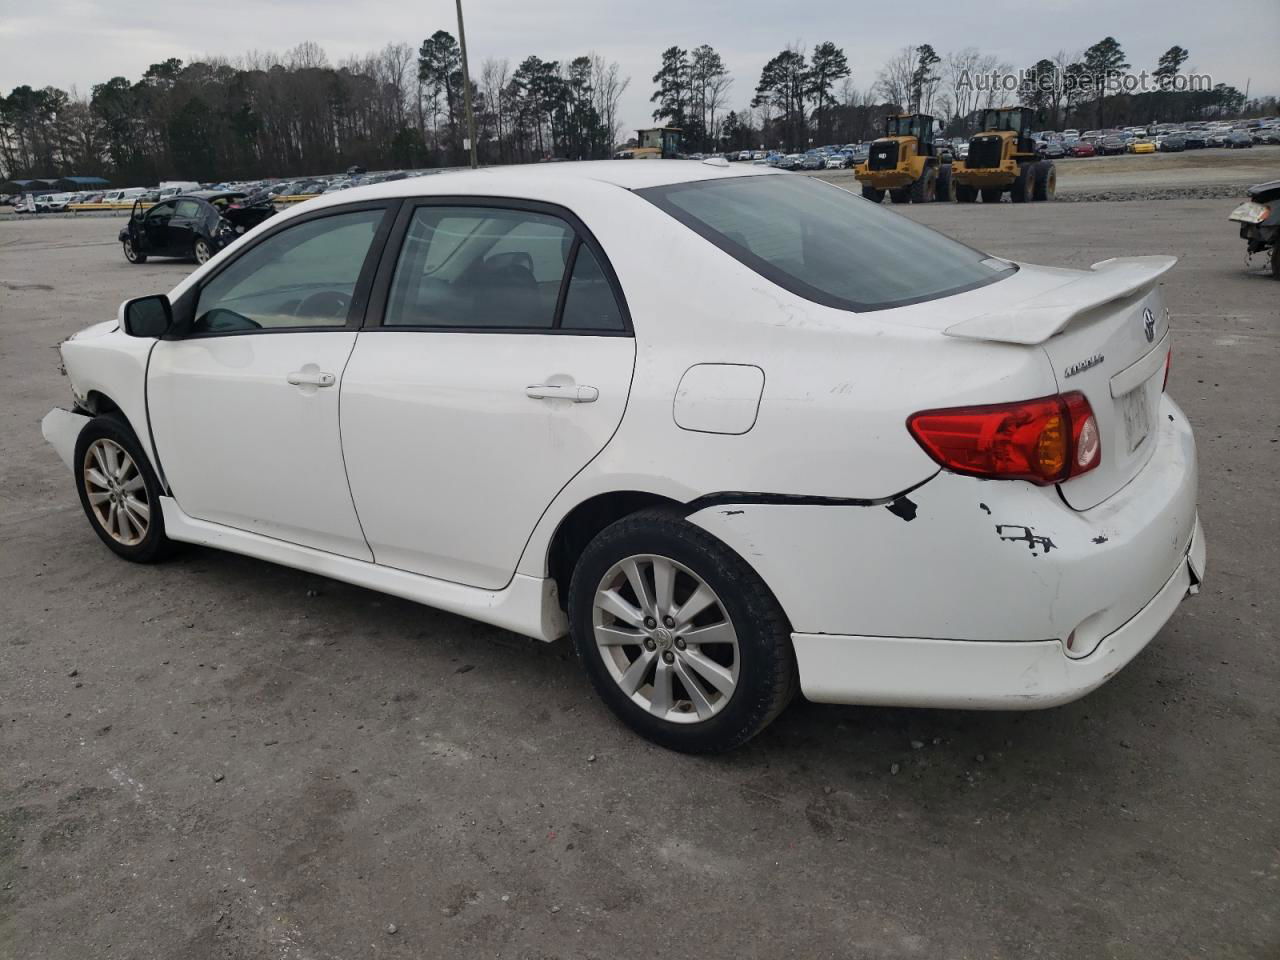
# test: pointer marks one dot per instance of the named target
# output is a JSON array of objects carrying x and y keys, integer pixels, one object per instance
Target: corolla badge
[
  {"x": 1082, "y": 365},
  {"x": 1149, "y": 324}
]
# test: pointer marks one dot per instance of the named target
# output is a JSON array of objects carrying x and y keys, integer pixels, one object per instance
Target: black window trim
[
  {"x": 375, "y": 314},
  {"x": 658, "y": 196},
  {"x": 185, "y": 307}
]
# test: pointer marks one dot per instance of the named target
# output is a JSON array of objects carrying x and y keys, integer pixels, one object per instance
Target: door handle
[
  {"x": 562, "y": 391},
  {"x": 298, "y": 378}
]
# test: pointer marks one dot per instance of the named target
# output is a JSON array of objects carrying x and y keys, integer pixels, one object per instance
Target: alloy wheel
[
  {"x": 130, "y": 253},
  {"x": 117, "y": 492},
  {"x": 203, "y": 253},
  {"x": 666, "y": 639}
]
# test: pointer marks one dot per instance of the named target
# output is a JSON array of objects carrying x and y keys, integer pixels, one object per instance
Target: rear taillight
[
  {"x": 1168, "y": 362},
  {"x": 1044, "y": 441}
]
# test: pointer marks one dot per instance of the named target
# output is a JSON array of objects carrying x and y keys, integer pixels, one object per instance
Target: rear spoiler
[{"x": 1039, "y": 318}]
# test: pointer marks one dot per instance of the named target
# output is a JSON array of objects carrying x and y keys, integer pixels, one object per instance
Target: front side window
[
  {"x": 825, "y": 244},
  {"x": 479, "y": 267},
  {"x": 303, "y": 276},
  {"x": 161, "y": 211}
]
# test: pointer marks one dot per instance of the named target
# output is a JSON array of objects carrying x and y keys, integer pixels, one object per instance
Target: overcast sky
[{"x": 83, "y": 42}]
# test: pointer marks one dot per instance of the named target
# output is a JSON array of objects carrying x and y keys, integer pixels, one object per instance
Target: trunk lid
[{"x": 1105, "y": 332}]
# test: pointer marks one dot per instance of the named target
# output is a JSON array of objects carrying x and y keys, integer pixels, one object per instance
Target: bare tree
[
  {"x": 893, "y": 82},
  {"x": 959, "y": 71},
  {"x": 608, "y": 85},
  {"x": 495, "y": 75},
  {"x": 307, "y": 55},
  {"x": 395, "y": 64}
]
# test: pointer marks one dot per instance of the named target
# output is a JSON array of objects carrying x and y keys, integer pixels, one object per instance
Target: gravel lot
[{"x": 217, "y": 758}]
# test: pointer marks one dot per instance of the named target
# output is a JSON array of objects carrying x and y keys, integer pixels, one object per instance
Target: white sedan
[{"x": 736, "y": 433}]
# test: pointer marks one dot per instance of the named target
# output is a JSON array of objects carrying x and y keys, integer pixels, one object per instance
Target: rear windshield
[{"x": 824, "y": 243}]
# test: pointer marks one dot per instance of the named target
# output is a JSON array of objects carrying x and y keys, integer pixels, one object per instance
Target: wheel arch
[{"x": 579, "y": 526}]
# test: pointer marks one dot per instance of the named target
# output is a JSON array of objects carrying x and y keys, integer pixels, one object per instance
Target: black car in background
[
  {"x": 192, "y": 225},
  {"x": 1195, "y": 140}
]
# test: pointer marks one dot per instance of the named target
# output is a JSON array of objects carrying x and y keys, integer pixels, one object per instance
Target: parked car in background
[
  {"x": 837, "y": 161},
  {"x": 1172, "y": 143},
  {"x": 1218, "y": 138},
  {"x": 194, "y": 226},
  {"x": 518, "y": 428},
  {"x": 1083, "y": 148},
  {"x": 1142, "y": 146},
  {"x": 1111, "y": 145},
  {"x": 1195, "y": 140},
  {"x": 1051, "y": 149},
  {"x": 1238, "y": 140}
]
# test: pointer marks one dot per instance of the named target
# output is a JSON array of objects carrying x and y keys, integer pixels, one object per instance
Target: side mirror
[{"x": 147, "y": 316}]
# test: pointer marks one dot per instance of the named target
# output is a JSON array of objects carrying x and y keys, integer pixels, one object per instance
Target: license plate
[
  {"x": 1137, "y": 416},
  {"x": 1249, "y": 212}
]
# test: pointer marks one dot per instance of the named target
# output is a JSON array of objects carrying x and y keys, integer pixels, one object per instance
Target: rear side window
[
  {"x": 479, "y": 267},
  {"x": 824, "y": 243},
  {"x": 589, "y": 303}
]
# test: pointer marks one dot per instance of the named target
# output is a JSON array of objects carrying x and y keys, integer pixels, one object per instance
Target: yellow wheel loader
[
  {"x": 1003, "y": 159},
  {"x": 904, "y": 163}
]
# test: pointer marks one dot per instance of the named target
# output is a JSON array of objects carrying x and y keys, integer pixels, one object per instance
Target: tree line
[
  {"x": 298, "y": 114},
  {"x": 295, "y": 114}
]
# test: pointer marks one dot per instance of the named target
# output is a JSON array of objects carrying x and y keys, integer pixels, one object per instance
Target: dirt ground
[{"x": 217, "y": 758}]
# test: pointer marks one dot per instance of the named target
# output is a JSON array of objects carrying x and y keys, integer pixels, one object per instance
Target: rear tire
[
  {"x": 991, "y": 194},
  {"x": 966, "y": 194},
  {"x": 872, "y": 194},
  {"x": 119, "y": 491},
  {"x": 900, "y": 196},
  {"x": 640, "y": 652},
  {"x": 201, "y": 251},
  {"x": 1046, "y": 186}
]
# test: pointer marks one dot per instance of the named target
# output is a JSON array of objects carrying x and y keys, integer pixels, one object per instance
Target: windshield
[
  {"x": 825, "y": 244},
  {"x": 1010, "y": 119}
]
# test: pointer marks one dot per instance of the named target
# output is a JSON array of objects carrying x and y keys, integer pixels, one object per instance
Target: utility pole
[{"x": 466, "y": 89}]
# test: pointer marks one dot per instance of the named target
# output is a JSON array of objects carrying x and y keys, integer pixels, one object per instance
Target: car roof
[{"x": 515, "y": 180}]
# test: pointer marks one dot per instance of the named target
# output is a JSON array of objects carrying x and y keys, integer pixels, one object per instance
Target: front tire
[
  {"x": 991, "y": 194},
  {"x": 679, "y": 636},
  {"x": 1023, "y": 188},
  {"x": 1046, "y": 185},
  {"x": 131, "y": 252},
  {"x": 966, "y": 194},
  {"x": 945, "y": 191},
  {"x": 900, "y": 196},
  {"x": 871, "y": 193},
  {"x": 926, "y": 188},
  {"x": 119, "y": 491}
]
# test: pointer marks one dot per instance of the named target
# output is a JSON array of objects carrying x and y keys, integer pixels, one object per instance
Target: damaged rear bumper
[
  {"x": 973, "y": 675},
  {"x": 972, "y": 593}
]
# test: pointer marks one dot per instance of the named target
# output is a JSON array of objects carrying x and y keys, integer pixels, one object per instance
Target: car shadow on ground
[{"x": 815, "y": 756}]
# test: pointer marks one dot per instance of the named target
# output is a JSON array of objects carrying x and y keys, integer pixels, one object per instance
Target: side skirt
[{"x": 527, "y": 605}]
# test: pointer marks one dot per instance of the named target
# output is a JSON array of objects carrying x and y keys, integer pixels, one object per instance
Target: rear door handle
[
  {"x": 562, "y": 391},
  {"x": 298, "y": 378}
]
